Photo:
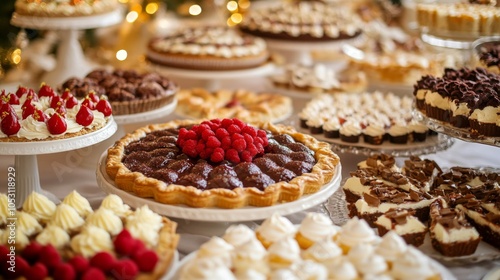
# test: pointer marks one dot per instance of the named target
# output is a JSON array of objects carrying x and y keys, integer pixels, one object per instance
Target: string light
[
  {"x": 132, "y": 16},
  {"x": 121, "y": 55},
  {"x": 16, "y": 56},
  {"x": 232, "y": 6},
  {"x": 152, "y": 8},
  {"x": 195, "y": 10}
]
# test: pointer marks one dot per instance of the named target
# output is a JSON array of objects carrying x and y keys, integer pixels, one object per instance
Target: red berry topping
[
  {"x": 64, "y": 271},
  {"x": 28, "y": 109},
  {"x": 146, "y": 260},
  {"x": 93, "y": 96},
  {"x": 39, "y": 115},
  {"x": 103, "y": 260},
  {"x": 49, "y": 256},
  {"x": 125, "y": 269},
  {"x": 61, "y": 110},
  {"x": 89, "y": 103},
  {"x": 36, "y": 272},
  {"x": 3, "y": 253},
  {"x": 31, "y": 95},
  {"x": 21, "y": 266},
  {"x": 104, "y": 107},
  {"x": 56, "y": 124},
  {"x": 66, "y": 94},
  {"x": 45, "y": 90},
  {"x": 56, "y": 101},
  {"x": 13, "y": 99},
  {"x": 21, "y": 90},
  {"x": 10, "y": 124},
  {"x": 93, "y": 274},
  {"x": 124, "y": 243},
  {"x": 71, "y": 102},
  {"x": 6, "y": 109},
  {"x": 79, "y": 264},
  {"x": 84, "y": 116},
  {"x": 32, "y": 251},
  {"x": 218, "y": 140}
]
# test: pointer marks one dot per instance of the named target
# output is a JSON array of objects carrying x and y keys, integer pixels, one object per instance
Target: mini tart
[
  {"x": 141, "y": 185},
  {"x": 67, "y": 8},
  {"x": 208, "y": 48},
  {"x": 245, "y": 105}
]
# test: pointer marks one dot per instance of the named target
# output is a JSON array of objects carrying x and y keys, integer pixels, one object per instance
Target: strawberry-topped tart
[
  {"x": 27, "y": 115},
  {"x": 220, "y": 163}
]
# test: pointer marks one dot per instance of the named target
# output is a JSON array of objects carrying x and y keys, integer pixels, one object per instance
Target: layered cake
[
  {"x": 305, "y": 21},
  {"x": 464, "y": 98},
  {"x": 27, "y": 115},
  {"x": 72, "y": 241},
  {"x": 389, "y": 55},
  {"x": 378, "y": 118},
  {"x": 487, "y": 55},
  {"x": 319, "y": 78},
  {"x": 458, "y": 19},
  {"x": 241, "y": 104},
  {"x": 220, "y": 163},
  {"x": 461, "y": 203},
  {"x": 368, "y": 256},
  {"x": 64, "y": 8},
  {"x": 208, "y": 48},
  {"x": 128, "y": 91},
  {"x": 450, "y": 232}
]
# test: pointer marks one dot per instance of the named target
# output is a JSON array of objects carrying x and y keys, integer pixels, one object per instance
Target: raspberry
[
  {"x": 252, "y": 149},
  {"x": 220, "y": 133},
  {"x": 246, "y": 156},
  {"x": 4, "y": 252},
  {"x": 226, "y": 142},
  {"x": 249, "y": 130},
  {"x": 217, "y": 155},
  {"x": 191, "y": 134},
  {"x": 232, "y": 129},
  {"x": 248, "y": 138},
  {"x": 211, "y": 125},
  {"x": 232, "y": 155},
  {"x": 239, "y": 123},
  {"x": 139, "y": 245},
  {"x": 239, "y": 145},
  {"x": 206, "y": 133},
  {"x": 103, "y": 260},
  {"x": 124, "y": 243},
  {"x": 190, "y": 148},
  {"x": 235, "y": 137},
  {"x": 64, "y": 271},
  {"x": 124, "y": 270},
  {"x": 226, "y": 123},
  {"x": 206, "y": 153},
  {"x": 21, "y": 267},
  {"x": 213, "y": 142},
  {"x": 216, "y": 121},
  {"x": 79, "y": 263},
  {"x": 93, "y": 274},
  {"x": 200, "y": 147},
  {"x": 37, "y": 272},
  {"x": 49, "y": 256},
  {"x": 32, "y": 251},
  {"x": 146, "y": 260},
  {"x": 258, "y": 140},
  {"x": 182, "y": 133}
]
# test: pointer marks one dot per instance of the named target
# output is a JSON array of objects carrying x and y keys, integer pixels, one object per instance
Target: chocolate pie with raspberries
[{"x": 220, "y": 163}]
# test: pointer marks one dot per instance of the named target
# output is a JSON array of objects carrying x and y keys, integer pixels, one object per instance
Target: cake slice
[
  {"x": 423, "y": 171},
  {"x": 451, "y": 234},
  {"x": 404, "y": 223}
]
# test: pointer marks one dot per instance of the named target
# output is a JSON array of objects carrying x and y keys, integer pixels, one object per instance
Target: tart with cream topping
[
  {"x": 242, "y": 104},
  {"x": 220, "y": 163},
  {"x": 27, "y": 115},
  {"x": 71, "y": 240},
  {"x": 64, "y": 8},
  {"x": 208, "y": 48}
]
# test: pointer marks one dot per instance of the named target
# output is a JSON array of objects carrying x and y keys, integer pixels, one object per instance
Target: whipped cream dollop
[
  {"x": 107, "y": 220},
  {"x": 343, "y": 269},
  {"x": 54, "y": 235},
  {"x": 79, "y": 203},
  {"x": 316, "y": 226},
  {"x": 391, "y": 247},
  {"x": 4, "y": 209},
  {"x": 285, "y": 251},
  {"x": 27, "y": 223},
  {"x": 308, "y": 269},
  {"x": 413, "y": 264},
  {"x": 91, "y": 240},
  {"x": 238, "y": 234},
  {"x": 206, "y": 269},
  {"x": 145, "y": 225},
  {"x": 324, "y": 251},
  {"x": 115, "y": 204},
  {"x": 67, "y": 218},
  {"x": 356, "y": 231},
  {"x": 39, "y": 206},
  {"x": 275, "y": 228},
  {"x": 215, "y": 248},
  {"x": 250, "y": 255}
]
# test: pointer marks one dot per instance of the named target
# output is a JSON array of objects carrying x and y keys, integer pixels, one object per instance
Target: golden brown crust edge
[{"x": 323, "y": 172}]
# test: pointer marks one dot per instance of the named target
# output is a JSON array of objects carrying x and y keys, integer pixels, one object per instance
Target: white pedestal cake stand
[
  {"x": 300, "y": 52},
  {"x": 71, "y": 61},
  {"x": 211, "y": 78},
  {"x": 26, "y": 176}
]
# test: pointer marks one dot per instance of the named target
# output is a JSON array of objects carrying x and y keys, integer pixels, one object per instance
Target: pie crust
[
  {"x": 322, "y": 172},
  {"x": 247, "y": 106}
]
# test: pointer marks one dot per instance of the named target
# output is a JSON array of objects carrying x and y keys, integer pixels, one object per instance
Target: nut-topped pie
[{"x": 220, "y": 163}]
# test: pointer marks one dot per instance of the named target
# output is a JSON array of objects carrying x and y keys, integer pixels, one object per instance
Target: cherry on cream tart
[
  {"x": 30, "y": 116},
  {"x": 220, "y": 163}
]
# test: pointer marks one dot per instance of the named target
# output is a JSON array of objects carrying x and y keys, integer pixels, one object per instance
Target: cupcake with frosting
[
  {"x": 350, "y": 131},
  {"x": 326, "y": 252},
  {"x": 308, "y": 269},
  {"x": 331, "y": 128},
  {"x": 273, "y": 229},
  {"x": 315, "y": 125},
  {"x": 391, "y": 247},
  {"x": 313, "y": 228},
  {"x": 283, "y": 253},
  {"x": 216, "y": 248},
  {"x": 374, "y": 133},
  {"x": 355, "y": 231},
  {"x": 206, "y": 269},
  {"x": 250, "y": 255},
  {"x": 418, "y": 131},
  {"x": 413, "y": 264},
  {"x": 398, "y": 133},
  {"x": 343, "y": 270},
  {"x": 237, "y": 235}
]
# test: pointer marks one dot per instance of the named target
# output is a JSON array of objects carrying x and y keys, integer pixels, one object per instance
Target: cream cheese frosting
[
  {"x": 107, "y": 220},
  {"x": 92, "y": 240},
  {"x": 79, "y": 203},
  {"x": 67, "y": 218},
  {"x": 215, "y": 248},
  {"x": 27, "y": 223},
  {"x": 238, "y": 234},
  {"x": 39, "y": 206},
  {"x": 54, "y": 235},
  {"x": 115, "y": 204},
  {"x": 316, "y": 226},
  {"x": 206, "y": 269},
  {"x": 356, "y": 231},
  {"x": 275, "y": 227}
]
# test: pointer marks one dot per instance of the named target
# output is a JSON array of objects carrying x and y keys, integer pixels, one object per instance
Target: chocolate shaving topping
[{"x": 371, "y": 200}]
